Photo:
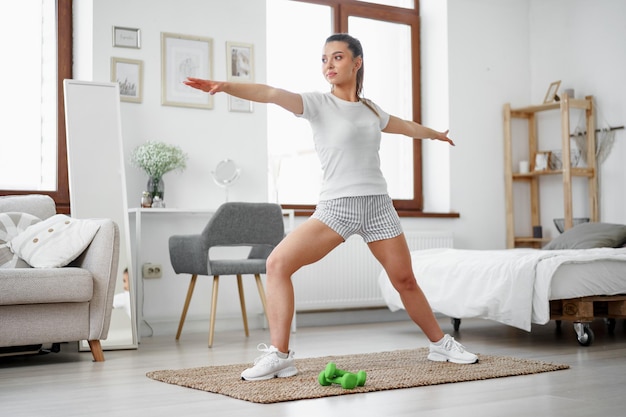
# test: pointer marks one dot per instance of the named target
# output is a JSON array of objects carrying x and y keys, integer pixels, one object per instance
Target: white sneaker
[
  {"x": 449, "y": 350},
  {"x": 270, "y": 365}
]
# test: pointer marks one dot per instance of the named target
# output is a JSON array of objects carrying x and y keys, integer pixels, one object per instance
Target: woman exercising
[{"x": 353, "y": 200}]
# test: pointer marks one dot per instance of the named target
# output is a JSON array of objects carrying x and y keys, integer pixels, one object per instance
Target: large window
[
  {"x": 390, "y": 39},
  {"x": 33, "y": 130}
]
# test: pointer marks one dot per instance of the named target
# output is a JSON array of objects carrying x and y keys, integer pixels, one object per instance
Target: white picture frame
[
  {"x": 542, "y": 161},
  {"x": 185, "y": 56},
  {"x": 128, "y": 74},
  {"x": 236, "y": 104},
  {"x": 126, "y": 37},
  {"x": 240, "y": 61}
]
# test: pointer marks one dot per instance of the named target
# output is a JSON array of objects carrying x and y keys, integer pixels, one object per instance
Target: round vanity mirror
[{"x": 226, "y": 173}]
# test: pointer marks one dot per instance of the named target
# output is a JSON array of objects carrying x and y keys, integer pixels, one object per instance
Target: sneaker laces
[
  {"x": 265, "y": 359},
  {"x": 451, "y": 344}
]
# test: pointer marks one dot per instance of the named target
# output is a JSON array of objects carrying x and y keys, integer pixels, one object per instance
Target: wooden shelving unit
[{"x": 567, "y": 172}]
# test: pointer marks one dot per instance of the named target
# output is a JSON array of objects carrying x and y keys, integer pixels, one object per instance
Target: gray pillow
[
  {"x": 590, "y": 235},
  {"x": 11, "y": 225}
]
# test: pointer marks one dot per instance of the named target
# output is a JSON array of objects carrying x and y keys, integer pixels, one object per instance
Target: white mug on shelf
[{"x": 523, "y": 167}]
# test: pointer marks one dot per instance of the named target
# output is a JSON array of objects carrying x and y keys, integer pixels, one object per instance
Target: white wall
[
  {"x": 488, "y": 66},
  {"x": 207, "y": 136},
  {"x": 489, "y": 53},
  {"x": 581, "y": 43},
  {"x": 435, "y": 104},
  {"x": 510, "y": 51}
]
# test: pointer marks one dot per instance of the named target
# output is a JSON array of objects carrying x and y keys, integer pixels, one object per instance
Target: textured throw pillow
[
  {"x": 54, "y": 242},
  {"x": 590, "y": 235},
  {"x": 11, "y": 225}
]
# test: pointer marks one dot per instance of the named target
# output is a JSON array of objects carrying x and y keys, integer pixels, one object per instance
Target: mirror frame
[
  {"x": 98, "y": 182},
  {"x": 226, "y": 182}
]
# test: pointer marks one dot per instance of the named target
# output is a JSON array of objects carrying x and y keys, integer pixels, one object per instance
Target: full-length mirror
[{"x": 98, "y": 186}]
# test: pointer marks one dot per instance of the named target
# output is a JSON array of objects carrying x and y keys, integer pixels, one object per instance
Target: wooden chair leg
[
  {"x": 96, "y": 350},
  {"x": 259, "y": 285},
  {"x": 216, "y": 282},
  {"x": 242, "y": 301},
  {"x": 183, "y": 316}
]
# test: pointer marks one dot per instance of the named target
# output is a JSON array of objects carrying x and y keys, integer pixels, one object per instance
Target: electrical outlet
[{"x": 152, "y": 270}]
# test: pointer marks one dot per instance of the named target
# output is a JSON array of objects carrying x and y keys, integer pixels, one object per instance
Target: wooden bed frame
[{"x": 582, "y": 311}]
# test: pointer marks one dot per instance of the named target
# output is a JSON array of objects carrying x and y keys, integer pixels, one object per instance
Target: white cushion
[
  {"x": 11, "y": 225},
  {"x": 54, "y": 242}
]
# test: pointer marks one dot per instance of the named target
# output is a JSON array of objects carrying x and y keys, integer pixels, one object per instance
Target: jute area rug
[{"x": 385, "y": 371}]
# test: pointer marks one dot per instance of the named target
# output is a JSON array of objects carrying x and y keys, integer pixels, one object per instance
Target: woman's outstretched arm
[
  {"x": 415, "y": 130},
  {"x": 259, "y": 93}
]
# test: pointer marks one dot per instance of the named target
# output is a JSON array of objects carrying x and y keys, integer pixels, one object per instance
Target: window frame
[
  {"x": 61, "y": 195},
  {"x": 341, "y": 10}
]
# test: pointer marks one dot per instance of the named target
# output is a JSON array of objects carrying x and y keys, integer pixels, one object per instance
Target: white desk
[
  {"x": 137, "y": 260},
  {"x": 137, "y": 256}
]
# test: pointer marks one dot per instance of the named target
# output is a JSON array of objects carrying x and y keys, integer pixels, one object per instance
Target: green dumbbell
[
  {"x": 347, "y": 380},
  {"x": 332, "y": 371},
  {"x": 321, "y": 378}
]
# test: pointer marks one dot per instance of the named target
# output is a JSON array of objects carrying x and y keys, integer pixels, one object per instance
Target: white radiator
[{"x": 348, "y": 276}]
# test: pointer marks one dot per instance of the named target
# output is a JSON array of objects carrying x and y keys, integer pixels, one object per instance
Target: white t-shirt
[
  {"x": 347, "y": 140},
  {"x": 122, "y": 300}
]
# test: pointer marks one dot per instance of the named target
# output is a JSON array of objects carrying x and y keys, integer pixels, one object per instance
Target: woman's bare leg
[
  {"x": 395, "y": 257},
  {"x": 308, "y": 243}
]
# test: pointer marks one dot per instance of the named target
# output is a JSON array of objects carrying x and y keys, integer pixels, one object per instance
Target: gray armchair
[
  {"x": 258, "y": 225},
  {"x": 54, "y": 305}
]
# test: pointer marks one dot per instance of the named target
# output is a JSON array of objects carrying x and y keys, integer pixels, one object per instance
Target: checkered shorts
[{"x": 372, "y": 217}]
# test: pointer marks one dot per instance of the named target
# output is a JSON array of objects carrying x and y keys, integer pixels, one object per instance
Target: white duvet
[{"x": 502, "y": 285}]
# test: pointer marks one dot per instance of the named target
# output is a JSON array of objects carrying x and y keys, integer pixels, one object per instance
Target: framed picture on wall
[
  {"x": 240, "y": 105},
  {"x": 240, "y": 61},
  {"x": 128, "y": 73},
  {"x": 185, "y": 56},
  {"x": 126, "y": 37}
]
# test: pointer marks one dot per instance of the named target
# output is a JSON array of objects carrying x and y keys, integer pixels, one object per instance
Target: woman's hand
[
  {"x": 415, "y": 130},
  {"x": 443, "y": 136},
  {"x": 207, "y": 86}
]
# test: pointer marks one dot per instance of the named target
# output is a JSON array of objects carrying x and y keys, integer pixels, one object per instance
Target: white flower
[{"x": 157, "y": 158}]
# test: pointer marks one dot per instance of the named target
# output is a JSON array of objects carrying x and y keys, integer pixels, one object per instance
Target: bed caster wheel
[
  {"x": 584, "y": 333},
  {"x": 456, "y": 324}
]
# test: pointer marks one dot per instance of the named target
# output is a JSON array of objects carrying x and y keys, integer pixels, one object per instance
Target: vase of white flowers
[
  {"x": 156, "y": 187},
  {"x": 157, "y": 159}
]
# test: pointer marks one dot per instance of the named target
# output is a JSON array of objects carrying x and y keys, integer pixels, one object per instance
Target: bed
[{"x": 577, "y": 277}]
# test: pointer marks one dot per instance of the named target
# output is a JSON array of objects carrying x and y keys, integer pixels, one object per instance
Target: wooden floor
[{"x": 70, "y": 384}]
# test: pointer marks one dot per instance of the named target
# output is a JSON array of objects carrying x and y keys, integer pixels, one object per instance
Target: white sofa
[{"x": 56, "y": 305}]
